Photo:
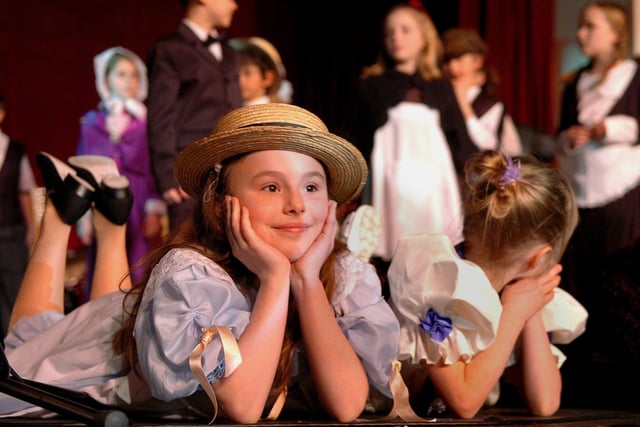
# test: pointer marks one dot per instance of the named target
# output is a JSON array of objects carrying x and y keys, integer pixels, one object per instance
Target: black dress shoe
[
  {"x": 113, "y": 197},
  {"x": 70, "y": 194}
]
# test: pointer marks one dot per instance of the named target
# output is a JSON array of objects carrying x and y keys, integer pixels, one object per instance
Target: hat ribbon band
[{"x": 292, "y": 125}]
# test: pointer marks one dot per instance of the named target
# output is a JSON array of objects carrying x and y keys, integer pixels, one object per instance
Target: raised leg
[
  {"x": 112, "y": 266},
  {"x": 42, "y": 287}
]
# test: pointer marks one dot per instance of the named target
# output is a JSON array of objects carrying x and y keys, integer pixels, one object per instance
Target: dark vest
[{"x": 10, "y": 213}]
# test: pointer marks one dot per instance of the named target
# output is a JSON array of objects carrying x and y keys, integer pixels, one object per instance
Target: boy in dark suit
[{"x": 193, "y": 81}]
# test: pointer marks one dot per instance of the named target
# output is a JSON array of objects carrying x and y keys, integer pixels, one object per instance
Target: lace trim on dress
[
  {"x": 177, "y": 260},
  {"x": 349, "y": 271}
]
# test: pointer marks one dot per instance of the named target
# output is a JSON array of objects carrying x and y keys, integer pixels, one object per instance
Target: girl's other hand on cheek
[
  {"x": 258, "y": 256},
  {"x": 307, "y": 267}
]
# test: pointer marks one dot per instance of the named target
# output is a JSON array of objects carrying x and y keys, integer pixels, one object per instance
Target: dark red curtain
[
  {"x": 521, "y": 39},
  {"x": 46, "y": 59},
  {"x": 47, "y": 46}
]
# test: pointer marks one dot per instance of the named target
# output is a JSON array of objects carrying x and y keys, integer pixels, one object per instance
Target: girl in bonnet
[
  {"x": 118, "y": 129},
  {"x": 252, "y": 301},
  {"x": 489, "y": 307}
]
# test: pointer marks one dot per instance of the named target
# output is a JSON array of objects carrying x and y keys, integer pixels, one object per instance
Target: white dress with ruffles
[{"x": 426, "y": 275}]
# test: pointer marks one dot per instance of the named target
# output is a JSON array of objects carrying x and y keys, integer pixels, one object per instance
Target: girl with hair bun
[{"x": 489, "y": 308}]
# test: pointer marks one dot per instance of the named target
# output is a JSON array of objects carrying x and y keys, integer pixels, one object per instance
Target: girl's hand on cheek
[
  {"x": 529, "y": 295},
  {"x": 308, "y": 266},
  {"x": 257, "y": 255}
]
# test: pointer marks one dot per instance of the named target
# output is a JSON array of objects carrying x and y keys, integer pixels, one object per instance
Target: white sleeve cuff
[{"x": 155, "y": 206}]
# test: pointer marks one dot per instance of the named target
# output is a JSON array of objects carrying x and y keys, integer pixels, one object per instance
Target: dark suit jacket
[{"x": 189, "y": 91}]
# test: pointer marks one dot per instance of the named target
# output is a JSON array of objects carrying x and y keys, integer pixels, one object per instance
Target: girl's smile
[{"x": 286, "y": 195}]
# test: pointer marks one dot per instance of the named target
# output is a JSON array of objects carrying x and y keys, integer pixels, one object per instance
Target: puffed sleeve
[
  {"x": 366, "y": 319},
  {"x": 186, "y": 293},
  {"x": 447, "y": 308},
  {"x": 564, "y": 319}
]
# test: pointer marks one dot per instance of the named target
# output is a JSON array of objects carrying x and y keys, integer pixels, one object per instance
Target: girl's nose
[{"x": 294, "y": 203}]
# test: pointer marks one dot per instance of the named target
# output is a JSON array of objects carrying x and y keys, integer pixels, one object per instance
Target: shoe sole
[{"x": 99, "y": 166}]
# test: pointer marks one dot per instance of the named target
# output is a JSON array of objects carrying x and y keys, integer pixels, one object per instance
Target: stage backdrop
[{"x": 47, "y": 46}]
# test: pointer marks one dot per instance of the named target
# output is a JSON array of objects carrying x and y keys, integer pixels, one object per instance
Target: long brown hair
[{"x": 205, "y": 233}]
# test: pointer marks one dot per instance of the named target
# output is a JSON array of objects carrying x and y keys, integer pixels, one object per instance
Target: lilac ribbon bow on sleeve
[{"x": 437, "y": 326}]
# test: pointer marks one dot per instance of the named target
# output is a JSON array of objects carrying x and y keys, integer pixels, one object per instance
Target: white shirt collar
[
  {"x": 215, "y": 48},
  {"x": 200, "y": 32},
  {"x": 258, "y": 101},
  {"x": 473, "y": 92}
]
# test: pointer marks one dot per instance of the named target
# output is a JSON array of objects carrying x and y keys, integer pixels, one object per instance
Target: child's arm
[
  {"x": 464, "y": 387},
  {"x": 242, "y": 395},
  {"x": 338, "y": 374},
  {"x": 539, "y": 376}
]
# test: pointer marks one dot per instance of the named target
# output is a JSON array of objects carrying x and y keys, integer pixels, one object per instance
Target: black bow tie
[{"x": 211, "y": 40}]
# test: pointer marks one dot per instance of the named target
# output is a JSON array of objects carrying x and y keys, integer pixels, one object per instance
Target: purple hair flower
[
  {"x": 512, "y": 174},
  {"x": 438, "y": 327}
]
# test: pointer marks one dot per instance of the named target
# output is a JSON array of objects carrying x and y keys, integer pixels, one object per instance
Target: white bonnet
[{"x": 100, "y": 62}]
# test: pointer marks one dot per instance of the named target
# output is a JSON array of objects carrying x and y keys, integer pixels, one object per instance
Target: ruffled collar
[
  {"x": 615, "y": 83},
  {"x": 115, "y": 105}
]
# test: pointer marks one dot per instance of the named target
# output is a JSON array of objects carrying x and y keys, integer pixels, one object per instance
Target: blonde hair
[
  {"x": 618, "y": 18},
  {"x": 431, "y": 55},
  {"x": 536, "y": 205}
]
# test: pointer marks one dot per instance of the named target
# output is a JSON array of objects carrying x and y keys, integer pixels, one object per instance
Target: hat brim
[{"x": 345, "y": 165}]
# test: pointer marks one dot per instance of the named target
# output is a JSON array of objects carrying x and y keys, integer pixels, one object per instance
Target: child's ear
[
  {"x": 539, "y": 256},
  {"x": 269, "y": 78}
]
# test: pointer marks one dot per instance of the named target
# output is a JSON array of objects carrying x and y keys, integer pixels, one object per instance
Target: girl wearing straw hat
[
  {"x": 253, "y": 300},
  {"x": 258, "y": 258}
]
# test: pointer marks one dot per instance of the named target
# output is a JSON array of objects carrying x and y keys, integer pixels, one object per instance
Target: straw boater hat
[{"x": 273, "y": 126}]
